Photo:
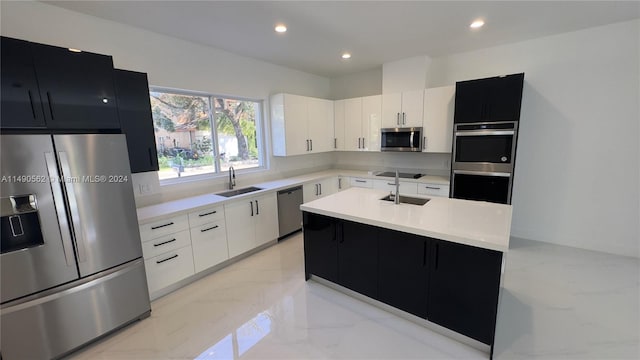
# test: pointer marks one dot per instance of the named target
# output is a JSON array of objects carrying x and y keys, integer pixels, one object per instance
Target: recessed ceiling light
[
  {"x": 476, "y": 24},
  {"x": 346, "y": 55},
  {"x": 75, "y": 50},
  {"x": 281, "y": 28}
]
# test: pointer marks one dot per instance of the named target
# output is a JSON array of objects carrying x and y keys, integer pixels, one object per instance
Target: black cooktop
[{"x": 402, "y": 175}]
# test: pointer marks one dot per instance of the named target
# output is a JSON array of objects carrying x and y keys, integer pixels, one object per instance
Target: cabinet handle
[
  {"x": 397, "y": 118},
  {"x": 251, "y": 204},
  {"x": 339, "y": 183},
  {"x": 211, "y": 228},
  {"x": 436, "y": 260},
  {"x": 50, "y": 104},
  {"x": 257, "y": 208},
  {"x": 335, "y": 143},
  {"x": 424, "y": 143},
  {"x": 311, "y": 141},
  {"x": 161, "y": 226},
  {"x": 363, "y": 142},
  {"x": 359, "y": 143},
  {"x": 167, "y": 259},
  {"x": 307, "y": 144},
  {"x": 432, "y": 187},
  {"x": 404, "y": 118},
  {"x": 424, "y": 253},
  {"x": 164, "y": 242},
  {"x": 33, "y": 110},
  {"x": 209, "y": 213},
  {"x": 361, "y": 181},
  {"x": 320, "y": 186},
  {"x": 316, "y": 189}
]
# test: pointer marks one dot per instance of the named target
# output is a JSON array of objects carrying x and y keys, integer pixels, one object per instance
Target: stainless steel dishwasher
[{"x": 289, "y": 213}]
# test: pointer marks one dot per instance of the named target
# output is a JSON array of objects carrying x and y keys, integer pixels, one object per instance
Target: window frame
[{"x": 218, "y": 174}]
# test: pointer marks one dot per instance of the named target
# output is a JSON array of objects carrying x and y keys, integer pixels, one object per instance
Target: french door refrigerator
[{"x": 71, "y": 259}]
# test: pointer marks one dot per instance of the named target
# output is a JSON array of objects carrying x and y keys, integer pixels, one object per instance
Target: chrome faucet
[
  {"x": 396, "y": 199},
  {"x": 232, "y": 177}
]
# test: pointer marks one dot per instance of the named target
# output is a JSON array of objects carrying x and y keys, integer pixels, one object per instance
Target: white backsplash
[{"x": 425, "y": 163}]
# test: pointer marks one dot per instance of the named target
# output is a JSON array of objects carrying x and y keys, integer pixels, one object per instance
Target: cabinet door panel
[
  {"x": 209, "y": 242},
  {"x": 412, "y": 108},
  {"x": 353, "y": 124},
  {"x": 295, "y": 119},
  {"x": 403, "y": 271},
  {"x": 134, "y": 111},
  {"x": 391, "y": 110},
  {"x": 371, "y": 122},
  {"x": 240, "y": 226},
  {"x": 266, "y": 218},
  {"x": 358, "y": 258},
  {"x": 463, "y": 289},
  {"x": 470, "y": 101},
  {"x": 77, "y": 88},
  {"x": 320, "y": 246},
  {"x": 21, "y": 106},
  {"x": 339, "y": 124},
  {"x": 503, "y": 103},
  {"x": 438, "y": 119},
  {"x": 320, "y": 126}
]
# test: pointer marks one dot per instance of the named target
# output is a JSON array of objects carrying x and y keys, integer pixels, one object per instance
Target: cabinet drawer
[
  {"x": 360, "y": 182},
  {"x": 162, "y": 227},
  {"x": 209, "y": 242},
  {"x": 405, "y": 187},
  {"x": 206, "y": 215},
  {"x": 169, "y": 268},
  {"x": 165, "y": 243},
  {"x": 433, "y": 189}
]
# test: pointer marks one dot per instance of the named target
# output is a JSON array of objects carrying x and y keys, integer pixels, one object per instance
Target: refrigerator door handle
[
  {"x": 58, "y": 200},
  {"x": 73, "y": 206}
]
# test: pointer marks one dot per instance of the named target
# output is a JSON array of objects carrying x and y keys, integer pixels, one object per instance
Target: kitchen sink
[
  {"x": 407, "y": 200},
  {"x": 241, "y": 191}
]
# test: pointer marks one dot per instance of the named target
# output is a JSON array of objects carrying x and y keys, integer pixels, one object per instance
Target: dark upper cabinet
[
  {"x": 55, "y": 88},
  {"x": 403, "y": 271},
  {"x": 463, "y": 289},
  {"x": 358, "y": 258},
  {"x": 134, "y": 111},
  {"x": 489, "y": 100},
  {"x": 320, "y": 246},
  {"x": 20, "y": 97},
  {"x": 76, "y": 88}
]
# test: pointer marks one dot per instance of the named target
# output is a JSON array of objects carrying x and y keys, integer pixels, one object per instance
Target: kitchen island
[{"x": 441, "y": 262}]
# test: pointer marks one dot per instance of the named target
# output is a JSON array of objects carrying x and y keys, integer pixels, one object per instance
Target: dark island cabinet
[
  {"x": 21, "y": 106},
  {"x": 358, "y": 258},
  {"x": 489, "y": 100},
  {"x": 73, "y": 90},
  {"x": 134, "y": 111},
  {"x": 320, "y": 246},
  {"x": 464, "y": 283},
  {"x": 403, "y": 271}
]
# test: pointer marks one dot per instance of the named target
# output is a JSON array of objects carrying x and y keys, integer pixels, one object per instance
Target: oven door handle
[
  {"x": 484, "y": 132},
  {"x": 481, "y": 173}
]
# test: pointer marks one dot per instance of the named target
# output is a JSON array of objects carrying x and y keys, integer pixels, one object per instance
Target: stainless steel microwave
[{"x": 401, "y": 139}]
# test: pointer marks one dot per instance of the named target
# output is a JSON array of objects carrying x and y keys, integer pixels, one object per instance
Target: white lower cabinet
[
  {"x": 343, "y": 182},
  {"x": 433, "y": 190},
  {"x": 169, "y": 268},
  {"x": 251, "y": 222},
  {"x": 409, "y": 188},
  {"x": 319, "y": 189},
  {"x": 209, "y": 243}
]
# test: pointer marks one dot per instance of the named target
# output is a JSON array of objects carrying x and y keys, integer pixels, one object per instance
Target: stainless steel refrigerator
[{"x": 71, "y": 258}]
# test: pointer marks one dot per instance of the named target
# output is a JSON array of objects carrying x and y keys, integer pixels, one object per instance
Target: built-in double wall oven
[{"x": 483, "y": 161}]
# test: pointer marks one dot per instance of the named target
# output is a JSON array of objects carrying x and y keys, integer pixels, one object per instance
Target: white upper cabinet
[
  {"x": 438, "y": 119},
  {"x": 338, "y": 123},
  {"x": 353, "y": 124},
  {"x": 402, "y": 109},
  {"x": 301, "y": 125},
  {"x": 362, "y": 120},
  {"x": 371, "y": 122}
]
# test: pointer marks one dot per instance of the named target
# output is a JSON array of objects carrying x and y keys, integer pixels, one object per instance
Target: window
[{"x": 204, "y": 134}]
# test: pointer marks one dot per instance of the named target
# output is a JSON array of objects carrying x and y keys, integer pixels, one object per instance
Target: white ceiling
[{"x": 375, "y": 32}]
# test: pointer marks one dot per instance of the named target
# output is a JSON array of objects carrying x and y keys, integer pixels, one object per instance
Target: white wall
[
  {"x": 406, "y": 74},
  {"x": 364, "y": 83},
  {"x": 173, "y": 63},
  {"x": 577, "y": 172}
]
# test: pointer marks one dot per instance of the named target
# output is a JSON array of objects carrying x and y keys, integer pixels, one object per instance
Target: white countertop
[
  {"x": 195, "y": 203},
  {"x": 476, "y": 223}
]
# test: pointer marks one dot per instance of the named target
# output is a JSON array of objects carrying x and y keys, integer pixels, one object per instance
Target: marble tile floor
[{"x": 558, "y": 302}]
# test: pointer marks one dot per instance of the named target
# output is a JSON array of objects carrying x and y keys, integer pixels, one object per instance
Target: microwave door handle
[
  {"x": 484, "y": 132},
  {"x": 73, "y": 207},
  {"x": 58, "y": 201},
  {"x": 411, "y": 140}
]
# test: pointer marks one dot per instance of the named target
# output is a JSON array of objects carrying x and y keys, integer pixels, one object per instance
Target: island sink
[
  {"x": 407, "y": 200},
  {"x": 241, "y": 191}
]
